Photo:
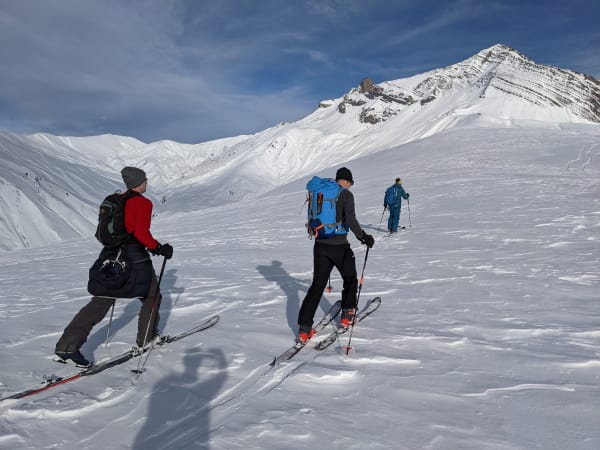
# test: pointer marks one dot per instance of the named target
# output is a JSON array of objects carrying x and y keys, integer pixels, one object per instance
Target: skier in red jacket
[{"x": 141, "y": 283}]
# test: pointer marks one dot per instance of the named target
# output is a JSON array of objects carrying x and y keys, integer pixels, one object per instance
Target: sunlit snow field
[{"x": 488, "y": 336}]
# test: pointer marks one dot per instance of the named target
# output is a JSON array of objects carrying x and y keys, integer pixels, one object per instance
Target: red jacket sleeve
[{"x": 138, "y": 215}]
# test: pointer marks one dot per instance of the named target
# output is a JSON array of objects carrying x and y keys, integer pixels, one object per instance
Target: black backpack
[{"x": 111, "y": 232}]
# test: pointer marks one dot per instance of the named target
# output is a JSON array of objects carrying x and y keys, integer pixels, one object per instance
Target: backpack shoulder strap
[{"x": 130, "y": 193}]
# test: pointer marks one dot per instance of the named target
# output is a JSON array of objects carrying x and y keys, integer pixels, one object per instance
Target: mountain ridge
[
  {"x": 497, "y": 86},
  {"x": 498, "y": 69}
]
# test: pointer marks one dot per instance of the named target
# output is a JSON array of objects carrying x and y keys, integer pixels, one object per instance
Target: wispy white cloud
[
  {"x": 99, "y": 64},
  {"x": 312, "y": 54},
  {"x": 193, "y": 70},
  {"x": 452, "y": 13}
]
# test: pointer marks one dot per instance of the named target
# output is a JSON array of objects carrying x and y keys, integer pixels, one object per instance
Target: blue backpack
[
  {"x": 323, "y": 194},
  {"x": 391, "y": 196}
]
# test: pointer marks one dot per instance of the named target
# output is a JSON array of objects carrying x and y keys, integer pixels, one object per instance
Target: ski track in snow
[{"x": 487, "y": 336}]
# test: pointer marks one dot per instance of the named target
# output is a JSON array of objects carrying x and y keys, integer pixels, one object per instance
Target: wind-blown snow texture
[{"x": 487, "y": 337}]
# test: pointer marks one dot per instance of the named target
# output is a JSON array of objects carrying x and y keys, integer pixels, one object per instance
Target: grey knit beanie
[{"x": 133, "y": 177}]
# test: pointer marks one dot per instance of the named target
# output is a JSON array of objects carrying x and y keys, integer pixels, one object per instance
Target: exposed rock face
[
  {"x": 499, "y": 72},
  {"x": 366, "y": 85}
]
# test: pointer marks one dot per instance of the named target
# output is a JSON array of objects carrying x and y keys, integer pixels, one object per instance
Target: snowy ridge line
[
  {"x": 45, "y": 179},
  {"x": 52, "y": 381}
]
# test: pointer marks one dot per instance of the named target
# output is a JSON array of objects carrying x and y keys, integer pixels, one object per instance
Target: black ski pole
[
  {"x": 139, "y": 369},
  {"x": 360, "y": 285},
  {"x": 409, "y": 221},
  {"x": 381, "y": 221}
]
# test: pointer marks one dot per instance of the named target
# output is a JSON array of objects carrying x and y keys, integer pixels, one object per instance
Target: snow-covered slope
[
  {"x": 499, "y": 82},
  {"x": 46, "y": 195},
  {"x": 496, "y": 87},
  {"x": 487, "y": 337},
  {"x": 51, "y": 186}
]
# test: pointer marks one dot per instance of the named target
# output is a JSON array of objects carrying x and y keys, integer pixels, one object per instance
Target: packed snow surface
[{"x": 487, "y": 337}]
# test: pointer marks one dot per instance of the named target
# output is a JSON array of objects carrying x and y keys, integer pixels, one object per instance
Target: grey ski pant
[{"x": 78, "y": 330}]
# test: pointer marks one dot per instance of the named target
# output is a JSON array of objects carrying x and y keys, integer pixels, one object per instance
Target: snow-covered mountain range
[
  {"x": 498, "y": 81},
  {"x": 50, "y": 186},
  {"x": 487, "y": 337}
]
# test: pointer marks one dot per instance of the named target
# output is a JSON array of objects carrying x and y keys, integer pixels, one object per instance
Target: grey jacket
[{"x": 344, "y": 213}]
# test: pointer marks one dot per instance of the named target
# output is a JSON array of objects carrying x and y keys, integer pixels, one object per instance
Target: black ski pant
[
  {"x": 326, "y": 257},
  {"x": 81, "y": 325}
]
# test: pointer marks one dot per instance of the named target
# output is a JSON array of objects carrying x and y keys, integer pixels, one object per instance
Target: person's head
[
  {"x": 344, "y": 178},
  {"x": 134, "y": 179},
  {"x": 398, "y": 181}
]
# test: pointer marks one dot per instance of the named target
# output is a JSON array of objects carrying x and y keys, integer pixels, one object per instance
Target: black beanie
[
  {"x": 133, "y": 177},
  {"x": 344, "y": 174}
]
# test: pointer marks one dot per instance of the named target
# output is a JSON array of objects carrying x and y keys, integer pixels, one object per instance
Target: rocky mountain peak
[
  {"x": 500, "y": 53},
  {"x": 496, "y": 75}
]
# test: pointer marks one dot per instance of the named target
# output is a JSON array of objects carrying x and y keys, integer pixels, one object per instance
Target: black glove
[
  {"x": 165, "y": 250},
  {"x": 368, "y": 240},
  {"x": 384, "y": 206},
  {"x": 407, "y": 195}
]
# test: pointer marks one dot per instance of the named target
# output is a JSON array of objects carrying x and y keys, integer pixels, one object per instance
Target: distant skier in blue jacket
[{"x": 393, "y": 201}]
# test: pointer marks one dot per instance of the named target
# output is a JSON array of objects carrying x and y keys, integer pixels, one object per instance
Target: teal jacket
[{"x": 394, "y": 195}]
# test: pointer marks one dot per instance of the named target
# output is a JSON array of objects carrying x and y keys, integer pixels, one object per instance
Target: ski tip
[{"x": 376, "y": 299}]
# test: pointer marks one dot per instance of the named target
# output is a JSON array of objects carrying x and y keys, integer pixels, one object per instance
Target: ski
[
  {"x": 388, "y": 233},
  {"x": 293, "y": 350},
  {"x": 53, "y": 381},
  {"x": 370, "y": 307}
]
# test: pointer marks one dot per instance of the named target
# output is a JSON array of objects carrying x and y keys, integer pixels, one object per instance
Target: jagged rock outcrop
[{"x": 366, "y": 85}]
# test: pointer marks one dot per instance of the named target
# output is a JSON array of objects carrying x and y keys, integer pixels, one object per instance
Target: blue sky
[{"x": 195, "y": 70}]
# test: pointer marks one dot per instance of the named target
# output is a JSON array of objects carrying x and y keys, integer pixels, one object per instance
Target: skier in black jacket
[{"x": 336, "y": 252}]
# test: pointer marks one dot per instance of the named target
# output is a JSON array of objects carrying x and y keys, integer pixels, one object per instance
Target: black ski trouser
[
  {"x": 78, "y": 330},
  {"x": 326, "y": 257}
]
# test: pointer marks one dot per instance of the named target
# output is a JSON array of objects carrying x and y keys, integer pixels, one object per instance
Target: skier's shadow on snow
[
  {"x": 291, "y": 288},
  {"x": 368, "y": 226},
  {"x": 183, "y": 400},
  {"x": 131, "y": 313}
]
